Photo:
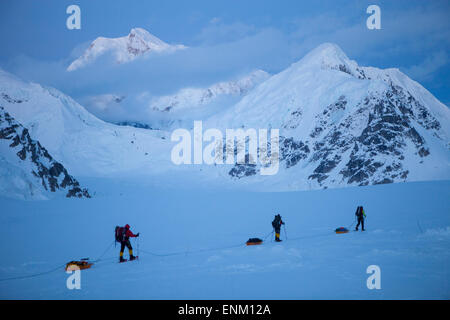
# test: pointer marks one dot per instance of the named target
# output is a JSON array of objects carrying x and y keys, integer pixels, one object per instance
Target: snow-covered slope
[
  {"x": 188, "y": 104},
  {"x": 191, "y": 98},
  {"x": 27, "y": 170},
  {"x": 176, "y": 110},
  {"x": 342, "y": 124},
  {"x": 138, "y": 42},
  {"x": 85, "y": 145}
]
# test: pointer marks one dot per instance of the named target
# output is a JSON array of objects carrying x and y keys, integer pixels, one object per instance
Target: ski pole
[
  {"x": 136, "y": 242},
  {"x": 420, "y": 228},
  {"x": 285, "y": 234}
]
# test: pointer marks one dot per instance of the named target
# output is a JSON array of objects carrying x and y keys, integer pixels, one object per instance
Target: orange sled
[
  {"x": 254, "y": 241},
  {"x": 341, "y": 230},
  {"x": 78, "y": 265}
]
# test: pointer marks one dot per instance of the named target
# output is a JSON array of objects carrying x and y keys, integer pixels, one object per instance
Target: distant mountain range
[
  {"x": 182, "y": 107},
  {"x": 340, "y": 125}
]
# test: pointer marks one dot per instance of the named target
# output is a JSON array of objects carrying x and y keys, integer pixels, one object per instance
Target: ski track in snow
[{"x": 407, "y": 236}]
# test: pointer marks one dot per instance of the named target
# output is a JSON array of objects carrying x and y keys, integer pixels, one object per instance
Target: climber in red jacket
[{"x": 123, "y": 235}]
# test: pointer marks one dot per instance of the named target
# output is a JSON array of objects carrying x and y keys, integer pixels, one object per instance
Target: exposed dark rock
[
  {"x": 134, "y": 124},
  {"x": 9, "y": 99},
  {"x": 45, "y": 168},
  {"x": 388, "y": 131},
  {"x": 243, "y": 170},
  {"x": 294, "y": 119},
  {"x": 384, "y": 181},
  {"x": 423, "y": 152},
  {"x": 292, "y": 151}
]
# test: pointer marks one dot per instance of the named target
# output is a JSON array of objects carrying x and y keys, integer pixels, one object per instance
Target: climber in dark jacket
[
  {"x": 360, "y": 215},
  {"x": 276, "y": 224}
]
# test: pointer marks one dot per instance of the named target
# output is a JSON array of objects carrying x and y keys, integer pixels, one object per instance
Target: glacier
[{"x": 192, "y": 244}]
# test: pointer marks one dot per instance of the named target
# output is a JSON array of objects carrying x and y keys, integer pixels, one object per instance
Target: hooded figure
[
  {"x": 276, "y": 224},
  {"x": 125, "y": 242}
]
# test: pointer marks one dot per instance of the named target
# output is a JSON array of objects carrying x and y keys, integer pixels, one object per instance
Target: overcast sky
[{"x": 227, "y": 38}]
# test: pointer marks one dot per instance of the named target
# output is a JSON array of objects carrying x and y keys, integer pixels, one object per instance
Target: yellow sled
[{"x": 78, "y": 265}]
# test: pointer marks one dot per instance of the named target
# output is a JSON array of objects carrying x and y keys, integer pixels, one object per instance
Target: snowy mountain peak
[
  {"x": 124, "y": 49},
  {"x": 140, "y": 40},
  {"x": 144, "y": 35},
  {"x": 141, "y": 33},
  {"x": 328, "y": 53},
  {"x": 329, "y": 56}
]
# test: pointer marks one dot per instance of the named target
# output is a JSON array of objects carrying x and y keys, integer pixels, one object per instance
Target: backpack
[
  {"x": 359, "y": 211},
  {"x": 276, "y": 221},
  {"x": 120, "y": 234}
]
